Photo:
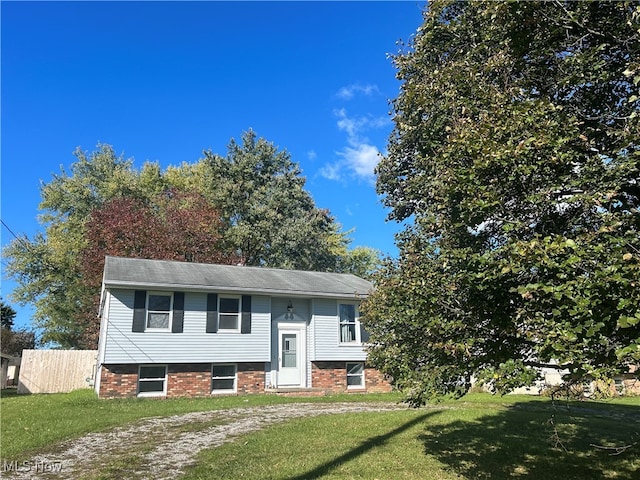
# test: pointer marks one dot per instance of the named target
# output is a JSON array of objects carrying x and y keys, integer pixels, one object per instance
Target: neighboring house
[
  {"x": 13, "y": 372},
  {"x": 189, "y": 329},
  {"x": 552, "y": 379},
  {"x": 4, "y": 367},
  {"x": 622, "y": 384}
]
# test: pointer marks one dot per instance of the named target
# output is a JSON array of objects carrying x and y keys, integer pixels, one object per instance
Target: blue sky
[{"x": 163, "y": 81}]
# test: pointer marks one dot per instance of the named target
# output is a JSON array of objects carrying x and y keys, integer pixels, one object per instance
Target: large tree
[
  {"x": 47, "y": 267},
  {"x": 516, "y": 152},
  {"x": 273, "y": 220}
]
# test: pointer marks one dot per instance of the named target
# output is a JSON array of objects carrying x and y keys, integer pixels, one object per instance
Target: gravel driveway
[{"x": 159, "y": 448}]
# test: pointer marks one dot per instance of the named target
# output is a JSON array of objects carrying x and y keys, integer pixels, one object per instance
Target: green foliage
[
  {"x": 516, "y": 151},
  {"x": 47, "y": 275},
  {"x": 272, "y": 219},
  {"x": 16, "y": 340},
  {"x": 13, "y": 340},
  {"x": 8, "y": 315},
  {"x": 47, "y": 268},
  {"x": 363, "y": 262}
]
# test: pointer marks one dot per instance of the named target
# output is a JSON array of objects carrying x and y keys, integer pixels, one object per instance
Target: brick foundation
[
  {"x": 183, "y": 380},
  {"x": 119, "y": 381},
  {"x": 189, "y": 380},
  {"x": 332, "y": 377},
  {"x": 194, "y": 379},
  {"x": 251, "y": 378}
]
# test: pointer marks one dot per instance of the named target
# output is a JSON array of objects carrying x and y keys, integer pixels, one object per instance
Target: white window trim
[
  {"x": 235, "y": 379},
  {"x": 147, "y": 311},
  {"x": 165, "y": 380},
  {"x": 239, "y": 322},
  {"x": 358, "y": 340},
  {"x": 356, "y": 387}
]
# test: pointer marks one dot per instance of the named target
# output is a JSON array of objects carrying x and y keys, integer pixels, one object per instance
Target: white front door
[{"x": 291, "y": 356}]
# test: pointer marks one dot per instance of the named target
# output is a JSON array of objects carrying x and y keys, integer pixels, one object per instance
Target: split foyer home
[{"x": 189, "y": 329}]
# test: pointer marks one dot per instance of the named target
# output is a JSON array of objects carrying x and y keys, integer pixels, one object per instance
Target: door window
[{"x": 289, "y": 354}]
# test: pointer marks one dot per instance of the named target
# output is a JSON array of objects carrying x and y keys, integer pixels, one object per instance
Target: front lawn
[
  {"x": 480, "y": 436},
  {"x": 30, "y": 423}
]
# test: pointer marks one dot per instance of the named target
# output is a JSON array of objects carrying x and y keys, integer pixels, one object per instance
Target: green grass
[
  {"x": 30, "y": 423},
  {"x": 479, "y": 437}
]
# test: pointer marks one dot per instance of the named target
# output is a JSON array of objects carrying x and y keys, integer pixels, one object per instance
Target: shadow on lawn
[
  {"x": 8, "y": 393},
  {"x": 373, "y": 442},
  {"x": 540, "y": 441}
]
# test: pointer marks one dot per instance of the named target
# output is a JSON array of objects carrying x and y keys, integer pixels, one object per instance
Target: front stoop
[{"x": 297, "y": 392}]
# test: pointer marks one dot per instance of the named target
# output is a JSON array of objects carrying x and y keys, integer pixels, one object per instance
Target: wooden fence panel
[{"x": 53, "y": 371}]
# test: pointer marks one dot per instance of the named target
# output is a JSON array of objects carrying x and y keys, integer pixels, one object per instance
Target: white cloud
[
  {"x": 354, "y": 125},
  {"x": 331, "y": 172},
  {"x": 361, "y": 159},
  {"x": 346, "y": 124},
  {"x": 312, "y": 155},
  {"x": 348, "y": 92}
]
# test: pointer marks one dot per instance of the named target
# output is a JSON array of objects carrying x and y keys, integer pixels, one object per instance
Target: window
[
  {"x": 355, "y": 375},
  {"x": 349, "y": 324},
  {"x": 159, "y": 311},
  {"x": 229, "y": 316},
  {"x": 223, "y": 379},
  {"x": 152, "y": 380}
]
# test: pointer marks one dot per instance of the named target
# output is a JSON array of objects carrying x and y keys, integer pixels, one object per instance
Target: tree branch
[{"x": 614, "y": 450}]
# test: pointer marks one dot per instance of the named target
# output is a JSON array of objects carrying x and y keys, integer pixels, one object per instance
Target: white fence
[{"x": 53, "y": 371}]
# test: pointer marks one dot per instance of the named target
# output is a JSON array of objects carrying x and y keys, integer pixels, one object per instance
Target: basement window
[
  {"x": 152, "y": 380},
  {"x": 355, "y": 375},
  {"x": 224, "y": 379}
]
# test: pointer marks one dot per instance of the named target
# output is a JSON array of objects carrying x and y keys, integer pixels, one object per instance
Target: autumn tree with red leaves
[{"x": 171, "y": 226}]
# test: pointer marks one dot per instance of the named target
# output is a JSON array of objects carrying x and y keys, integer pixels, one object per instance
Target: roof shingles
[{"x": 140, "y": 273}]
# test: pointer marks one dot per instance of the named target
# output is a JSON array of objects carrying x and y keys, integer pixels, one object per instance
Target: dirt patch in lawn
[{"x": 160, "y": 448}]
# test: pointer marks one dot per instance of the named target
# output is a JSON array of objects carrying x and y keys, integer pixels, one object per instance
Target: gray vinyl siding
[
  {"x": 325, "y": 331},
  {"x": 193, "y": 345}
]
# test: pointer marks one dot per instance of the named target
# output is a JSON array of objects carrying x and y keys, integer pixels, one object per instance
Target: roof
[{"x": 162, "y": 274}]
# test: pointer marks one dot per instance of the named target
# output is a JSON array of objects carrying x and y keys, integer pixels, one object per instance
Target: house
[
  {"x": 4, "y": 368},
  {"x": 13, "y": 372},
  {"x": 189, "y": 329}
]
